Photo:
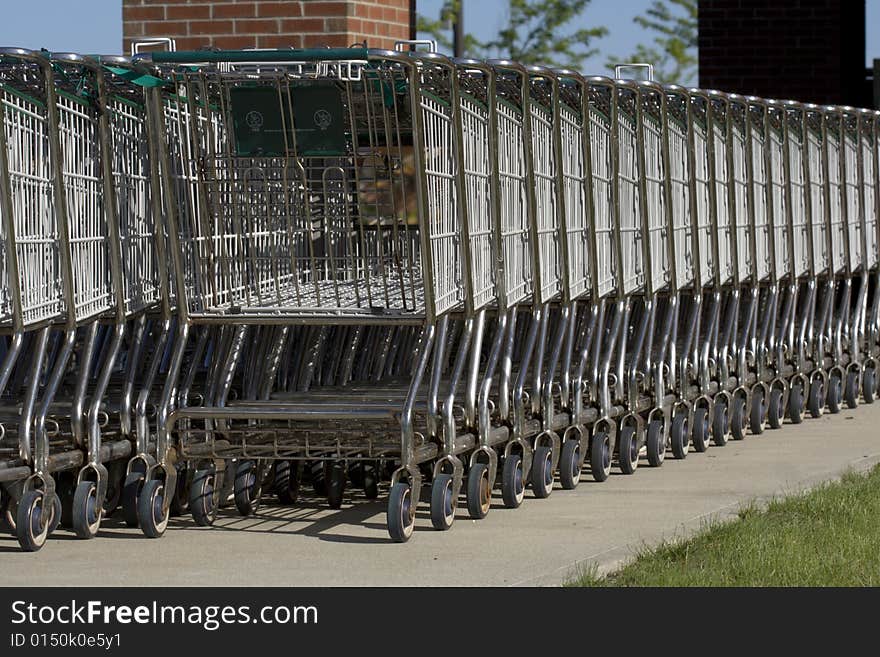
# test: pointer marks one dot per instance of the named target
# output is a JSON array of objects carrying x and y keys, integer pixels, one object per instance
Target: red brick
[
  {"x": 279, "y": 9},
  {"x": 279, "y": 41},
  {"x": 234, "y": 10},
  {"x": 142, "y": 13},
  {"x": 257, "y": 26},
  {"x": 166, "y": 28},
  {"x": 332, "y": 40},
  {"x": 188, "y": 12},
  {"x": 314, "y": 8},
  {"x": 211, "y": 27},
  {"x": 294, "y": 25}
]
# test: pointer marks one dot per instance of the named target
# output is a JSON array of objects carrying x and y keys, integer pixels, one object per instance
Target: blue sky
[{"x": 96, "y": 25}]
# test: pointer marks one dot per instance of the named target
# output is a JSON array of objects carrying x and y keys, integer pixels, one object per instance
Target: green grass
[{"x": 829, "y": 536}]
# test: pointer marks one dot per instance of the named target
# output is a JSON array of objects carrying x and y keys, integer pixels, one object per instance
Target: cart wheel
[
  {"x": 628, "y": 450},
  {"x": 852, "y": 389},
  {"x": 335, "y": 480},
  {"x": 513, "y": 487},
  {"x": 287, "y": 481},
  {"x": 738, "y": 418},
  {"x": 371, "y": 480},
  {"x": 479, "y": 491},
  {"x": 151, "y": 515},
  {"x": 246, "y": 500},
  {"x": 678, "y": 436},
  {"x": 541, "y": 476},
  {"x": 442, "y": 502},
  {"x": 775, "y": 409},
  {"x": 816, "y": 402},
  {"x": 319, "y": 482},
  {"x": 796, "y": 404},
  {"x": 756, "y": 414},
  {"x": 869, "y": 385},
  {"x": 201, "y": 498},
  {"x": 86, "y": 514},
  {"x": 700, "y": 431},
  {"x": 180, "y": 500},
  {"x": 656, "y": 446},
  {"x": 600, "y": 456},
  {"x": 5, "y": 525},
  {"x": 832, "y": 399},
  {"x": 720, "y": 424},
  {"x": 401, "y": 512},
  {"x": 569, "y": 464},
  {"x": 30, "y": 529},
  {"x": 131, "y": 491}
]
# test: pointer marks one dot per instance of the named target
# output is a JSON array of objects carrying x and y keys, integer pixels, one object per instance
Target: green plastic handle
[{"x": 281, "y": 55}]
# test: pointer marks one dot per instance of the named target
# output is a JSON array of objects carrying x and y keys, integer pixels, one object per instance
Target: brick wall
[
  {"x": 811, "y": 50},
  {"x": 233, "y": 24}
]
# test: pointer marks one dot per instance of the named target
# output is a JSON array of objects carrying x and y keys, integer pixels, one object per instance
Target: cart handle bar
[{"x": 255, "y": 56}]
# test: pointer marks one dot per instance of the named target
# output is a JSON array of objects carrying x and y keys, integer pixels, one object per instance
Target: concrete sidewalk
[{"x": 541, "y": 543}]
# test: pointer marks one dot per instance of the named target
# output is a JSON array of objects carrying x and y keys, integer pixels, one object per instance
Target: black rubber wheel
[
  {"x": 371, "y": 480},
  {"x": 775, "y": 408},
  {"x": 869, "y": 385},
  {"x": 656, "y": 445},
  {"x": 600, "y": 456},
  {"x": 570, "y": 464},
  {"x": 245, "y": 489},
  {"x": 86, "y": 513},
  {"x": 738, "y": 418},
  {"x": 131, "y": 491},
  {"x": 816, "y": 402},
  {"x": 479, "y": 491},
  {"x": 796, "y": 403},
  {"x": 541, "y": 475},
  {"x": 700, "y": 429},
  {"x": 334, "y": 477},
  {"x": 756, "y": 414},
  {"x": 30, "y": 528},
  {"x": 443, "y": 502},
  {"x": 833, "y": 398},
  {"x": 628, "y": 450},
  {"x": 851, "y": 392},
  {"x": 720, "y": 423},
  {"x": 679, "y": 439},
  {"x": 319, "y": 481},
  {"x": 401, "y": 517},
  {"x": 151, "y": 514},
  {"x": 513, "y": 486},
  {"x": 287, "y": 477},
  {"x": 201, "y": 498}
]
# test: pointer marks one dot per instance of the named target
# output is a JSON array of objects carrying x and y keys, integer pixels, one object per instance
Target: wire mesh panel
[
  {"x": 776, "y": 147},
  {"x": 800, "y": 222},
  {"x": 816, "y": 184},
  {"x": 477, "y": 176},
  {"x": 744, "y": 218},
  {"x": 853, "y": 189},
  {"x": 834, "y": 137},
  {"x": 655, "y": 197},
  {"x": 629, "y": 199},
  {"x": 869, "y": 186},
  {"x": 679, "y": 188},
  {"x": 705, "y": 228},
  {"x": 761, "y": 221},
  {"x": 30, "y": 176},
  {"x": 602, "y": 186},
  {"x": 723, "y": 183},
  {"x": 513, "y": 199},
  {"x": 578, "y": 237},
  {"x": 546, "y": 220}
]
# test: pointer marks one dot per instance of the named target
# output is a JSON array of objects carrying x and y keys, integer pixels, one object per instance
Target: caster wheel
[
  {"x": 869, "y": 385},
  {"x": 479, "y": 491},
  {"x": 816, "y": 402},
  {"x": 371, "y": 480},
  {"x": 796, "y": 404},
  {"x": 775, "y": 409},
  {"x": 202, "y": 504},
  {"x": 679, "y": 439},
  {"x": 720, "y": 424},
  {"x": 319, "y": 481},
  {"x": 443, "y": 503},
  {"x": 542, "y": 472},
  {"x": 334, "y": 477},
  {"x": 55, "y": 518},
  {"x": 851, "y": 393},
  {"x": 756, "y": 414},
  {"x": 738, "y": 418},
  {"x": 180, "y": 500},
  {"x": 833, "y": 398},
  {"x": 570, "y": 464},
  {"x": 513, "y": 487},
  {"x": 30, "y": 527},
  {"x": 152, "y": 516},
  {"x": 247, "y": 498},
  {"x": 86, "y": 514},
  {"x": 131, "y": 491},
  {"x": 401, "y": 517},
  {"x": 287, "y": 478},
  {"x": 655, "y": 444},
  {"x": 600, "y": 456},
  {"x": 700, "y": 431},
  {"x": 628, "y": 450}
]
